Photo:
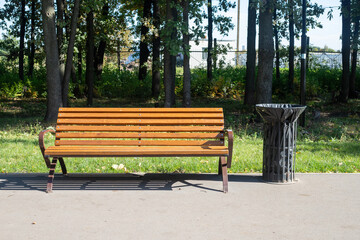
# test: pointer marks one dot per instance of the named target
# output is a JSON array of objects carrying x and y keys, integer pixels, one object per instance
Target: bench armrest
[
  {"x": 42, "y": 145},
  {"x": 230, "y": 146}
]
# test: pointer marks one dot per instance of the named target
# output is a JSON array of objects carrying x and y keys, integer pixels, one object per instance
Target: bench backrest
[{"x": 140, "y": 127}]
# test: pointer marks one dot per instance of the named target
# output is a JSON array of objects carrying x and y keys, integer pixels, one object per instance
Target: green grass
[{"x": 328, "y": 144}]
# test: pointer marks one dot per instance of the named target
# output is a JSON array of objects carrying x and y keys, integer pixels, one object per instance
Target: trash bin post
[{"x": 280, "y": 133}]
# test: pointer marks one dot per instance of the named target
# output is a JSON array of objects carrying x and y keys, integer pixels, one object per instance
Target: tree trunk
[
  {"x": 100, "y": 53},
  {"x": 167, "y": 77},
  {"x": 352, "y": 88},
  {"x": 60, "y": 4},
  {"x": 186, "y": 64},
  {"x": 266, "y": 54},
  {"x": 277, "y": 53},
  {"x": 22, "y": 40},
  {"x": 345, "y": 9},
  {"x": 144, "y": 40},
  {"x": 291, "y": 46},
  {"x": 53, "y": 80},
  {"x": 70, "y": 53},
  {"x": 118, "y": 54},
  {"x": 60, "y": 21},
  {"x": 168, "y": 60},
  {"x": 32, "y": 39},
  {"x": 210, "y": 38},
  {"x": 90, "y": 57},
  {"x": 66, "y": 19},
  {"x": 250, "y": 98},
  {"x": 99, "y": 59},
  {"x": 173, "y": 55},
  {"x": 77, "y": 92},
  {"x": 156, "y": 52}
]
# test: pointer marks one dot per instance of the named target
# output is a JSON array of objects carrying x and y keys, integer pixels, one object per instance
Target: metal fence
[
  {"x": 234, "y": 58},
  {"x": 198, "y": 59}
]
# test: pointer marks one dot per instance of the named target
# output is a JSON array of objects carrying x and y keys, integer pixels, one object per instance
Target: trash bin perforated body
[{"x": 280, "y": 133}]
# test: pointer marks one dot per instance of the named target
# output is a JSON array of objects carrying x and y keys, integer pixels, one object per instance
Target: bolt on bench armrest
[
  {"x": 42, "y": 145},
  {"x": 230, "y": 146}
]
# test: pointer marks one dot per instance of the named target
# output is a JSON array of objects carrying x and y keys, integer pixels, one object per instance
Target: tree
[
  {"x": 60, "y": 12},
  {"x": 222, "y": 23},
  {"x": 70, "y": 53},
  {"x": 277, "y": 43},
  {"x": 90, "y": 56},
  {"x": 14, "y": 20},
  {"x": 144, "y": 39},
  {"x": 22, "y": 40},
  {"x": 266, "y": 53},
  {"x": 186, "y": 66},
  {"x": 156, "y": 65},
  {"x": 171, "y": 49},
  {"x": 288, "y": 25},
  {"x": 355, "y": 47},
  {"x": 291, "y": 46},
  {"x": 345, "y": 42},
  {"x": 100, "y": 51},
  {"x": 250, "y": 98},
  {"x": 54, "y": 100},
  {"x": 32, "y": 38},
  {"x": 210, "y": 39}
]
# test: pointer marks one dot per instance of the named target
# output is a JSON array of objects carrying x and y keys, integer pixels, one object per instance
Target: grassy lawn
[{"x": 329, "y": 143}]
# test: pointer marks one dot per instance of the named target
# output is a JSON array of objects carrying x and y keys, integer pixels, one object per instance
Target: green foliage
[
  {"x": 323, "y": 82},
  {"x": 11, "y": 85},
  {"x": 9, "y": 47},
  {"x": 227, "y": 82},
  {"x": 124, "y": 84}
]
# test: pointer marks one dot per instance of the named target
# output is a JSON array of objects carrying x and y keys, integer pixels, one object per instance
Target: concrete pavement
[{"x": 179, "y": 206}]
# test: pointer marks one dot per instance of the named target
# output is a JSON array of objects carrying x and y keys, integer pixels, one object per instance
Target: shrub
[{"x": 124, "y": 84}]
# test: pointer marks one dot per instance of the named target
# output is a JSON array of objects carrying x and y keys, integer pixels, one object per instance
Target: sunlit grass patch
[{"x": 328, "y": 144}]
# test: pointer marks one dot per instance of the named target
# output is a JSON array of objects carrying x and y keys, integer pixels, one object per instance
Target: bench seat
[
  {"x": 138, "y": 132},
  {"x": 135, "y": 151}
]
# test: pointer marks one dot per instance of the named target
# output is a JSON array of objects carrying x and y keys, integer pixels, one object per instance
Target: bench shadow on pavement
[{"x": 117, "y": 182}]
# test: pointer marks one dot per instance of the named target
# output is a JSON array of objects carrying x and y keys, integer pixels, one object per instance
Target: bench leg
[
  {"x": 51, "y": 175},
  {"x": 62, "y": 164},
  {"x": 224, "y": 173},
  {"x": 220, "y": 167}
]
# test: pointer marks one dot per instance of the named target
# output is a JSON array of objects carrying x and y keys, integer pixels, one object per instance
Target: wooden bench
[{"x": 138, "y": 132}]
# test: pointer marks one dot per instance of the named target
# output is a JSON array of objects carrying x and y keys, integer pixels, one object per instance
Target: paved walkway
[{"x": 318, "y": 206}]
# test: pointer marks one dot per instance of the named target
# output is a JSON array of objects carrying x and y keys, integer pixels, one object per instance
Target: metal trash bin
[{"x": 280, "y": 132}]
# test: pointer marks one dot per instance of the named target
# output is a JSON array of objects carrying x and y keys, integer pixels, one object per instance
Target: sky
[{"x": 329, "y": 35}]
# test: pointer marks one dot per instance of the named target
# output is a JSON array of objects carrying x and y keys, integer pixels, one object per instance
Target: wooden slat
[
  {"x": 143, "y": 121},
  {"x": 160, "y": 115},
  {"x": 137, "y": 143},
  {"x": 129, "y": 148},
  {"x": 140, "y": 128},
  {"x": 137, "y": 135},
  {"x": 149, "y": 110}
]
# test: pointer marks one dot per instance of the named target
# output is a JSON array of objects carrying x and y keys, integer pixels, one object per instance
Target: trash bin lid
[{"x": 279, "y": 112}]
